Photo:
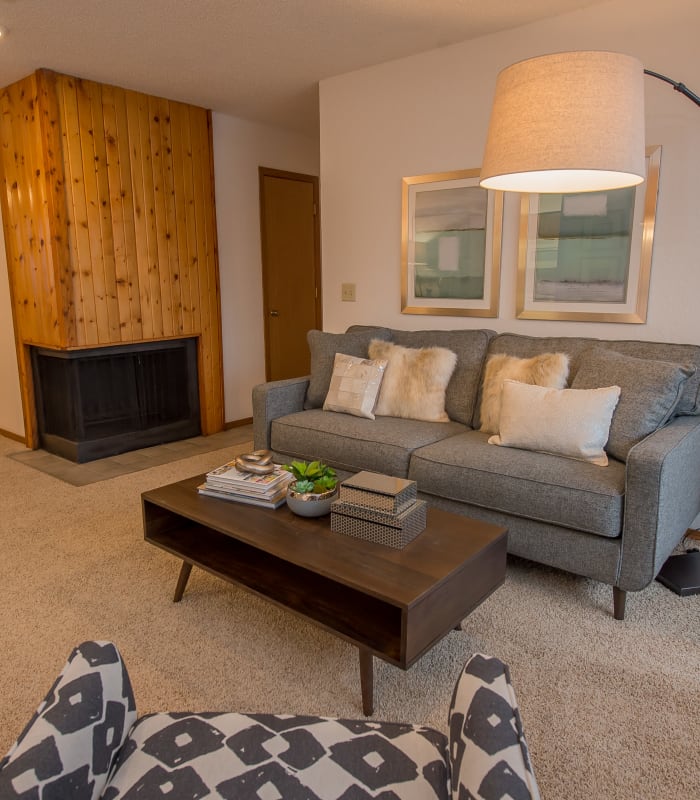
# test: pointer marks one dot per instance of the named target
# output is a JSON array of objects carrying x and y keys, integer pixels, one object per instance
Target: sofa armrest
[
  {"x": 662, "y": 498},
  {"x": 275, "y": 399},
  {"x": 488, "y": 752},
  {"x": 70, "y": 745}
]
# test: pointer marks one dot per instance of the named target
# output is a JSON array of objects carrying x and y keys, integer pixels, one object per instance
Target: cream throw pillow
[
  {"x": 414, "y": 382},
  {"x": 354, "y": 385},
  {"x": 566, "y": 422},
  {"x": 547, "y": 369}
]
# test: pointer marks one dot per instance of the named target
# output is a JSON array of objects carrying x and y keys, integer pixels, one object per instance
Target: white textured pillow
[
  {"x": 414, "y": 382},
  {"x": 354, "y": 385},
  {"x": 546, "y": 369},
  {"x": 566, "y": 422}
]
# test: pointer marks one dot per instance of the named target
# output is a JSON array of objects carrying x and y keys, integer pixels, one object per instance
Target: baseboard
[
  {"x": 238, "y": 423},
  {"x": 15, "y": 436}
]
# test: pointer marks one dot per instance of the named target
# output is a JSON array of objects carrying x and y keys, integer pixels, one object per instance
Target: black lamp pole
[
  {"x": 679, "y": 87},
  {"x": 680, "y": 573}
]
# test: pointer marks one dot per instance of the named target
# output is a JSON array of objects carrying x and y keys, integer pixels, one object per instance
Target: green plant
[{"x": 311, "y": 477}]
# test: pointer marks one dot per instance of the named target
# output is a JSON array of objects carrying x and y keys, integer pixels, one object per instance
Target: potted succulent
[{"x": 314, "y": 488}]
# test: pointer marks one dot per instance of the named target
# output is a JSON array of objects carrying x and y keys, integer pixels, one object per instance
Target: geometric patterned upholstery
[
  {"x": 73, "y": 739},
  {"x": 489, "y": 758},
  {"x": 84, "y": 743},
  {"x": 270, "y": 756}
]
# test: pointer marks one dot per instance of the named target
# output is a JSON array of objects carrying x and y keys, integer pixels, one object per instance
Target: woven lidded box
[
  {"x": 392, "y": 530},
  {"x": 379, "y": 492}
]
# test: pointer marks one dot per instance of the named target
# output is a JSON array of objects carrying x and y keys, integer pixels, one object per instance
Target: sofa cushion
[
  {"x": 470, "y": 347},
  {"x": 414, "y": 381},
  {"x": 353, "y": 443},
  {"x": 651, "y": 391},
  {"x": 573, "y": 423},
  {"x": 547, "y": 369},
  {"x": 323, "y": 347},
  {"x": 538, "y": 486},
  {"x": 265, "y": 755},
  {"x": 355, "y": 385},
  {"x": 689, "y": 354}
]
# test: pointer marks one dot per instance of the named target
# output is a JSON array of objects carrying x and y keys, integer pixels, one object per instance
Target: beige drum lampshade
[{"x": 567, "y": 122}]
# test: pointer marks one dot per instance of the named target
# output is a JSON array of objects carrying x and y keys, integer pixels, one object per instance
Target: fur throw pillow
[
  {"x": 414, "y": 381},
  {"x": 548, "y": 369}
]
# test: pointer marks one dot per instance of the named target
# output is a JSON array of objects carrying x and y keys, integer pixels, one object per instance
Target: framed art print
[{"x": 450, "y": 245}]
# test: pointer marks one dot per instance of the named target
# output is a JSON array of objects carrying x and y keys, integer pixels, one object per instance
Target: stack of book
[{"x": 229, "y": 483}]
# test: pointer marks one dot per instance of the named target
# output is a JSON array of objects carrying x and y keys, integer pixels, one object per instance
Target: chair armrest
[
  {"x": 275, "y": 399},
  {"x": 488, "y": 752},
  {"x": 662, "y": 498},
  {"x": 71, "y": 743}
]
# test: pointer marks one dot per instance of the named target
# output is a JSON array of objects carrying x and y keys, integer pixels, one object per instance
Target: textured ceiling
[{"x": 256, "y": 59}]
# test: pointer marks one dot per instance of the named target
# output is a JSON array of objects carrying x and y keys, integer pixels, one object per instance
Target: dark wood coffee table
[{"x": 393, "y": 604}]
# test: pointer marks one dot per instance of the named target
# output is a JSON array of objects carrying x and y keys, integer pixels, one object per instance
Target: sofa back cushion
[
  {"x": 526, "y": 346},
  {"x": 470, "y": 347},
  {"x": 651, "y": 391}
]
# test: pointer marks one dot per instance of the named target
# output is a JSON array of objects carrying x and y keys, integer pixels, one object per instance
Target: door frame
[{"x": 269, "y": 172}]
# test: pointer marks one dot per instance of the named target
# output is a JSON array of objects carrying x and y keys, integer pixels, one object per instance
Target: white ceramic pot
[{"x": 311, "y": 505}]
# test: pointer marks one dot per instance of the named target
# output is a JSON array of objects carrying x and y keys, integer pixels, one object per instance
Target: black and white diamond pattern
[{"x": 82, "y": 744}]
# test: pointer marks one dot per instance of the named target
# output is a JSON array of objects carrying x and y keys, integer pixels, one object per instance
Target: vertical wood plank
[
  {"x": 58, "y": 220},
  {"x": 182, "y": 173},
  {"x": 102, "y": 103},
  {"x": 94, "y": 215},
  {"x": 171, "y": 221},
  {"x": 127, "y": 206},
  {"x": 155, "y": 108},
  {"x": 82, "y": 262},
  {"x": 141, "y": 229},
  {"x": 149, "y": 201}
]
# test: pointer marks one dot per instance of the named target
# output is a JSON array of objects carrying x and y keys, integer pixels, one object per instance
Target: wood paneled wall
[{"x": 110, "y": 227}]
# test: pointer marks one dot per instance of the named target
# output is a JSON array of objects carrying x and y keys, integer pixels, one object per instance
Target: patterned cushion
[
  {"x": 71, "y": 742},
  {"x": 488, "y": 753},
  {"x": 279, "y": 756},
  {"x": 323, "y": 347}
]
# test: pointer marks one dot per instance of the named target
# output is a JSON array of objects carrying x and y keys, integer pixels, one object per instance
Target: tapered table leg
[
  {"x": 182, "y": 581},
  {"x": 367, "y": 682}
]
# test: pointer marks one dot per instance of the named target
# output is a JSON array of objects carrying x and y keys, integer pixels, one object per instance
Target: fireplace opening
[{"x": 108, "y": 400}]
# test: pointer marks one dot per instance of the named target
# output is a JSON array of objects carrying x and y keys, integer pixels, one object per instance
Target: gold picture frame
[
  {"x": 587, "y": 257},
  {"x": 450, "y": 245}
]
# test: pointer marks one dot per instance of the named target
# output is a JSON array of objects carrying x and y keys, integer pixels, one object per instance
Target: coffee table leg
[
  {"x": 367, "y": 682},
  {"x": 182, "y": 581}
]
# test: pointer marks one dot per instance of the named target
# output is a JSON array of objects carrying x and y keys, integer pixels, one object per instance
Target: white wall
[
  {"x": 240, "y": 147},
  {"x": 429, "y": 113},
  {"x": 11, "y": 417}
]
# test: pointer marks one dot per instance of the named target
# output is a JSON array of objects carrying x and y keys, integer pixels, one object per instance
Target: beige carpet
[{"x": 611, "y": 709}]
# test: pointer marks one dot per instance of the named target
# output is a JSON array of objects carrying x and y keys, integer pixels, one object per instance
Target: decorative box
[
  {"x": 378, "y": 492},
  {"x": 392, "y": 530}
]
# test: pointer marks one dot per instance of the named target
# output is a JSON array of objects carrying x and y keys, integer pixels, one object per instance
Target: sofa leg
[{"x": 619, "y": 600}]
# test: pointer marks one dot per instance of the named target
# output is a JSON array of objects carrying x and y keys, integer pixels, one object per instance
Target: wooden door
[{"x": 291, "y": 269}]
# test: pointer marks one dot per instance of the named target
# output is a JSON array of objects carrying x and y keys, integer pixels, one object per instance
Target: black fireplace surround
[{"x": 108, "y": 400}]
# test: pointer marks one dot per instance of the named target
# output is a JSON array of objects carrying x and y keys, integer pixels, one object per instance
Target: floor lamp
[{"x": 574, "y": 122}]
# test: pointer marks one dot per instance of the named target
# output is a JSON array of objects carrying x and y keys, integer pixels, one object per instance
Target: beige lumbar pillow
[
  {"x": 414, "y": 381},
  {"x": 547, "y": 369},
  {"x": 354, "y": 385},
  {"x": 566, "y": 422}
]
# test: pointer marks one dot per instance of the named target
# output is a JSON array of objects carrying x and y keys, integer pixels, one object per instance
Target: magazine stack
[{"x": 229, "y": 483}]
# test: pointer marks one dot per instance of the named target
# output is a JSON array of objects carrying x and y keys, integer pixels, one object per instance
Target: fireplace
[{"x": 107, "y": 400}]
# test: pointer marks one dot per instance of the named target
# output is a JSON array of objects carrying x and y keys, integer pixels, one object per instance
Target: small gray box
[
  {"x": 392, "y": 530},
  {"x": 379, "y": 492}
]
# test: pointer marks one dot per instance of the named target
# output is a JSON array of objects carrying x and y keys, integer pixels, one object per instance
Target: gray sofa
[
  {"x": 615, "y": 524},
  {"x": 85, "y": 742}
]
